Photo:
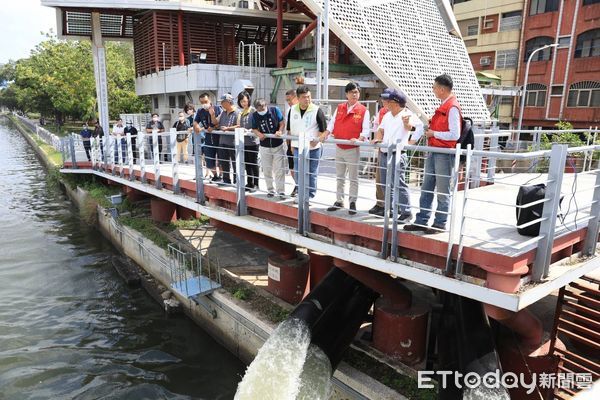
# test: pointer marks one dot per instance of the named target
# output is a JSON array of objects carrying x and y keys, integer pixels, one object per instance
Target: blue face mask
[{"x": 262, "y": 113}]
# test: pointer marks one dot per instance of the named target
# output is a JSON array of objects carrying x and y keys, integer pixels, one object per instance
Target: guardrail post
[
  {"x": 593, "y": 229},
  {"x": 558, "y": 157},
  {"x": 174, "y": 159},
  {"x": 302, "y": 184},
  {"x": 240, "y": 172},
  {"x": 387, "y": 200},
  {"x": 459, "y": 264},
  {"x": 453, "y": 207},
  {"x": 120, "y": 155},
  {"x": 494, "y": 140},
  {"x": 397, "y": 160},
  {"x": 477, "y": 161},
  {"x": 73, "y": 156},
  {"x": 199, "y": 168},
  {"x": 141, "y": 147},
  {"x": 130, "y": 157},
  {"x": 156, "y": 159},
  {"x": 105, "y": 142}
]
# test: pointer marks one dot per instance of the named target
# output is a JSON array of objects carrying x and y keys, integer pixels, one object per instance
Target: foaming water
[
  {"x": 287, "y": 367},
  {"x": 69, "y": 327}
]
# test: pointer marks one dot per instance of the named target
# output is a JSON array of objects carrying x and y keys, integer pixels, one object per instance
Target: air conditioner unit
[{"x": 484, "y": 61}]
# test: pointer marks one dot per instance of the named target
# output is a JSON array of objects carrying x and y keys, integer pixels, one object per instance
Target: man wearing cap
[
  {"x": 379, "y": 208},
  {"x": 227, "y": 122},
  {"x": 204, "y": 121},
  {"x": 350, "y": 121},
  {"x": 396, "y": 126},
  {"x": 443, "y": 132}
]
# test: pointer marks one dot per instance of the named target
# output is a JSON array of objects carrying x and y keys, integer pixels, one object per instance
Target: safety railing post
[
  {"x": 397, "y": 162},
  {"x": 593, "y": 229},
  {"x": 174, "y": 159},
  {"x": 105, "y": 142},
  {"x": 306, "y": 164},
  {"x": 120, "y": 155},
  {"x": 130, "y": 157},
  {"x": 454, "y": 206},
  {"x": 73, "y": 156},
  {"x": 387, "y": 200},
  {"x": 141, "y": 147},
  {"x": 199, "y": 169},
  {"x": 156, "y": 159},
  {"x": 477, "y": 161},
  {"x": 111, "y": 155},
  {"x": 491, "y": 168},
  {"x": 541, "y": 265},
  {"x": 301, "y": 182},
  {"x": 240, "y": 171},
  {"x": 461, "y": 227}
]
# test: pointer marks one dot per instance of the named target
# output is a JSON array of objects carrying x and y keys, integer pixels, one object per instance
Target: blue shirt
[
  {"x": 203, "y": 117},
  {"x": 268, "y": 123},
  {"x": 86, "y": 134}
]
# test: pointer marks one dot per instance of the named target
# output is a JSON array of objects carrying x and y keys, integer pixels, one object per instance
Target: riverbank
[{"x": 240, "y": 315}]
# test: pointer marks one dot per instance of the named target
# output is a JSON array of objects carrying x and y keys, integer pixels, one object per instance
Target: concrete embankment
[{"x": 230, "y": 321}]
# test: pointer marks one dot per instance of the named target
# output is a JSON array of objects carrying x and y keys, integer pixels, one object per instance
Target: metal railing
[{"x": 480, "y": 194}]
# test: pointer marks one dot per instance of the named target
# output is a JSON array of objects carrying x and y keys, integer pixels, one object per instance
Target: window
[
  {"x": 506, "y": 100},
  {"x": 536, "y": 43},
  {"x": 564, "y": 41},
  {"x": 556, "y": 90},
  {"x": 471, "y": 43},
  {"x": 542, "y": 6},
  {"x": 172, "y": 102},
  {"x": 155, "y": 102},
  {"x": 511, "y": 21},
  {"x": 536, "y": 95},
  {"x": 584, "y": 94},
  {"x": 181, "y": 101},
  {"x": 488, "y": 23},
  {"x": 588, "y": 2},
  {"x": 506, "y": 59},
  {"x": 472, "y": 30},
  {"x": 588, "y": 44}
]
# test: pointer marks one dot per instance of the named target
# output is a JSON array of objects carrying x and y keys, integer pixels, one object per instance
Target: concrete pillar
[
  {"x": 134, "y": 195},
  {"x": 163, "y": 211},
  {"x": 186, "y": 213},
  {"x": 288, "y": 278},
  {"x": 99, "y": 56},
  {"x": 320, "y": 265}
]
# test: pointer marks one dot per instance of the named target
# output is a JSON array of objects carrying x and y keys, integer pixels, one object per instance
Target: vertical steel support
[
  {"x": 120, "y": 156},
  {"x": 325, "y": 92},
  {"x": 319, "y": 55},
  {"x": 387, "y": 202},
  {"x": 141, "y": 147},
  {"x": 477, "y": 160},
  {"x": 306, "y": 162},
  {"x": 130, "y": 157},
  {"x": 156, "y": 158},
  {"x": 303, "y": 182},
  {"x": 174, "y": 159},
  {"x": 397, "y": 160},
  {"x": 73, "y": 155},
  {"x": 240, "y": 172},
  {"x": 113, "y": 165},
  {"x": 279, "y": 33},
  {"x": 491, "y": 172},
  {"x": 541, "y": 265},
  {"x": 106, "y": 146},
  {"x": 199, "y": 169},
  {"x": 454, "y": 174},
  {"x": 593, "y": 229},
  {"x": 459, "y": 263}
]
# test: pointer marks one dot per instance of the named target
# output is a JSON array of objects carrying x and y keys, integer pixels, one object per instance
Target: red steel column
[
  {"x": 180, "y": 37},
  {"x": 279, "y": 39},
  {"x": 309, "y": 28}
]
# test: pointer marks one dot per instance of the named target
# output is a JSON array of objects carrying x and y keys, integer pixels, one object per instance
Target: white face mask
[
  {"x": 155, "y": 119},
  {"x": 182, "y": 118},
  {"x": 206, "y": 106},
  {"x": 261, "y": 113}
]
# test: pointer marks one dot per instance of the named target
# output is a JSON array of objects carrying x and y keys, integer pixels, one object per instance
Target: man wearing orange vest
[
  {"x": 443, "y": 132},
  {"x": 350, "y": 121}
]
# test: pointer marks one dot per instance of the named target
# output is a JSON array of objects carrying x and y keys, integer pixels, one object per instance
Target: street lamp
[{"x": 523, "y": 92}]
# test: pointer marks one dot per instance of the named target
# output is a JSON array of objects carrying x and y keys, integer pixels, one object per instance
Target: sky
[{"x": 21, "y": 27}]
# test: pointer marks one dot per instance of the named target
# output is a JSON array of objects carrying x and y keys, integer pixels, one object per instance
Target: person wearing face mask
[
  {"x": 190, "y": 113},
  {"x": 227, "y": 122},
  {"x": 153, "y": 124},
  {"x": 118, "y": 133},
  {"x": 250, "y": 141},
  {"x": 203, "y": 122},
  {"x": 129, "y": 128},
  {"x": 99, "y": 133},
  {"x": 183, "y": 130},
  {"x": 86, "y": 135},
  {"x": 269, "y": 120}
]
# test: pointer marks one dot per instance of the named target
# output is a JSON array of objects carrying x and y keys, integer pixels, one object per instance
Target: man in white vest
[{"x": 308, "y": 118}]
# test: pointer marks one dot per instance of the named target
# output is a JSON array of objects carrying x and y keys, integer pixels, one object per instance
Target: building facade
[
  {"x": 491, "y": 30},
  {"x": 563, "y": 82}
]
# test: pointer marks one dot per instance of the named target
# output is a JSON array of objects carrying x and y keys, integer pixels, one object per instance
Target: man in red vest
[
  {"x": 350, "y": 121},
  {"x": 444, "y": 132}
]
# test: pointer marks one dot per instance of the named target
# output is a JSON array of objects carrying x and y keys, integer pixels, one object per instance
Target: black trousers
[
  {"x": 251, "y": 161},
  {"x": 226, "y": 155}
]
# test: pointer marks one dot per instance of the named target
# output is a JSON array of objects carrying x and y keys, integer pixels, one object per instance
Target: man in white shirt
[
  {"x": 396, "y": 127},
  {"x": 350, "y": 121},
  {"x": 118, "y": 133}
]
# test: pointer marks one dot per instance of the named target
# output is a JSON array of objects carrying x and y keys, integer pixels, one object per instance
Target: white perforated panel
[{"x": 406, "y": 44}]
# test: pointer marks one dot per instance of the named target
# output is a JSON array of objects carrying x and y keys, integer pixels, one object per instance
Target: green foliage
[
  {"x": 190, "y": 223},
  {"x": 147, "y": 228},
  {"x": 58, "y": 80}
]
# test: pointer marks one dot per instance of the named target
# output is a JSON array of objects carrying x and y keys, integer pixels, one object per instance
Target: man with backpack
[
  {"x": 269, "y": 120},
  {"x": 444, "y": 132}
]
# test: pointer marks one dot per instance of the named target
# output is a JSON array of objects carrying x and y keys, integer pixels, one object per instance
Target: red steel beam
[
  {"x": 279, "y": 33},
  {"x": 180, "y": 37},
  {"x": 297, "y": 40}
]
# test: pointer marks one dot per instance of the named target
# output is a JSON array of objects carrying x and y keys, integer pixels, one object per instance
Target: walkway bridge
[{"x": 479, "y": 255}]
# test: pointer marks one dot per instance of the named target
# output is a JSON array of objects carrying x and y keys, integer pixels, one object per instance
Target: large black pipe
[{"x": 334, "y": 311}]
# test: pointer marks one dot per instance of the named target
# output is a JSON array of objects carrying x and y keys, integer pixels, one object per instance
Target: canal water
[{"x": 69, "y": 327}]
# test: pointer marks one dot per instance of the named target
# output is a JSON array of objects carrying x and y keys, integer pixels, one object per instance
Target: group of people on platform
[{"x": 213, "y": 126}]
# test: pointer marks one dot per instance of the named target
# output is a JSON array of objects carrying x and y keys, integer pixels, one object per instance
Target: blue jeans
[
  {"x": 313, "y": 168},
  {"x": 438, "y": 169},
  {"x": 403, "y": 196},
  {"x": 123, "y": 150}
]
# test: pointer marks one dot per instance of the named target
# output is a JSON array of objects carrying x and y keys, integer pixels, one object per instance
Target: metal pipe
[
  {"x": 279, "y": 39},
  {"x": 319, "y": 45},
  {"x": 180, "y": 37},
  {"x": 325, "y": 92},
  {"x": 309, "y": 28}
]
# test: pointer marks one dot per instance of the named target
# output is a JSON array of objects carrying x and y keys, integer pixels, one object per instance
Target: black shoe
[
  {"x": 270, "y": 194},
  {"x": 416, "y": 228},
  {"x": 294, "y": 192},
  {"x": 282, "y": 196},
  {"x": 435, "y": 229},
  {"x": 215, "y": 178},
  {"x": 352, "y": 209},
  {"x": 377, "y": 210},
  {"x": 405, "y": 218},
  {"x": 336, "y": 206}
]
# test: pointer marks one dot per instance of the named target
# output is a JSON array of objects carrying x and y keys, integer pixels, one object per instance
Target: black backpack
[
  {"x": 527, "y": 195},
  {"x": 466, "y": 136}
]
